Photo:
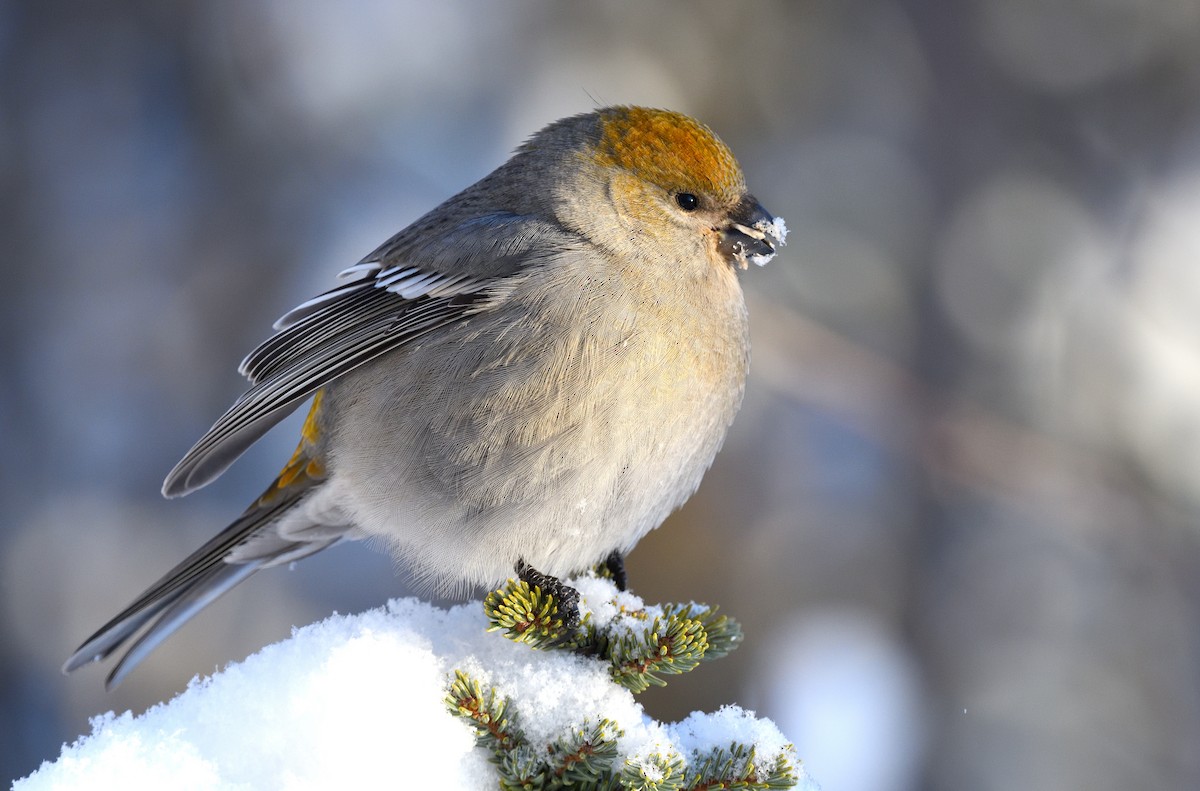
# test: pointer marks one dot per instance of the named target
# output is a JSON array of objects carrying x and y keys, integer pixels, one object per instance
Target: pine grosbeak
[{"x": 530, "y": 377}]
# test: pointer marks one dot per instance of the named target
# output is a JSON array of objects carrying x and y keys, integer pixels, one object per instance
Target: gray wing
[
  {"x": 387, "y": 301},
  {"x": 318, "y": 342}
]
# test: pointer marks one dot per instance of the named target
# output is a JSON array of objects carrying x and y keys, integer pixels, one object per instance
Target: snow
[
  {"x": 777, "y": 230},
  {"x": 358, "y": 702}
]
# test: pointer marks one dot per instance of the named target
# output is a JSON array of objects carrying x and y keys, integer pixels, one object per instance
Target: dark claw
[
  {"x": 566, "y": 596},
  {"x": 615, "y": 563}
]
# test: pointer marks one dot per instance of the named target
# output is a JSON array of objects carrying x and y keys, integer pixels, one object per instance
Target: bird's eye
[{"x": 687, "y": 201}]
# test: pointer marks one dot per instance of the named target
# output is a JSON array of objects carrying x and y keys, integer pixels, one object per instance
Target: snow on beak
[{"x": 752, "y": 234}]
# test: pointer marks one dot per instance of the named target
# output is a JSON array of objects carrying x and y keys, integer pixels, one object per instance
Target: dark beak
[{"x": 751, "y": 234}]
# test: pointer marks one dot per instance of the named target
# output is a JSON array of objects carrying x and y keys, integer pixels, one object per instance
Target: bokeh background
[{"x": 958, "y": 515}]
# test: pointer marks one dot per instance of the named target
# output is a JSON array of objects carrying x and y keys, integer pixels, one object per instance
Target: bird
[{"x": 525, "y": 380}]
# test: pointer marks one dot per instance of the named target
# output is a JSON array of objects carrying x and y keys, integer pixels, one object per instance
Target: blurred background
[{"x": 959, "y": 514}]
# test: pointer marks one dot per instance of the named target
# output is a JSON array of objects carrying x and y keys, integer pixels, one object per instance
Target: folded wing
[{"x": 319, "y": 341}]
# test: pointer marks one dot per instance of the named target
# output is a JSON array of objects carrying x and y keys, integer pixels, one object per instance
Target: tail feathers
[
  {"x": 175, "y": 613},
  {"x": 191, "y": 586}
]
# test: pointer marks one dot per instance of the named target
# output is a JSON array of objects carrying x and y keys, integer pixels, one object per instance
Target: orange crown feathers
[{"x": 670, "y": 150}]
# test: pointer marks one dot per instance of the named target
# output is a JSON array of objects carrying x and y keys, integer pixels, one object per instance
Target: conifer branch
[
  {"x": 587, "y": 756},
  {"x": 641, "y": 645},
  {"x": 526, "y": 614},
  {"x": 494, "y": 722},
  {"x": 675, "y": 641}
]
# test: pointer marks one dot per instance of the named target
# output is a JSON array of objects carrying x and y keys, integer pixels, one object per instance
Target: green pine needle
[
  {"x": 655, "y": 773},
  {"x": 523, "y": 769},
  {"x": 673, "y": 643},
  {"x": 494, "y": 723},
  {"x": 527, "y": 615},
  {"x": 724, "y": 633},
  {"x": 585, "y": 757},
  {"x": 670, "y": 646},
  {"x": 733, "y": 767}
]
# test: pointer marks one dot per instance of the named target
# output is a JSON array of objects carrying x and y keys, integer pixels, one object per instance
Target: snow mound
[{"x": 359, "y": 702}]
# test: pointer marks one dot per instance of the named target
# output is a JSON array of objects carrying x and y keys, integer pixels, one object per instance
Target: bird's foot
[
  {"x": 613, "y": 567},
  {"x": 566, "y": 596}
]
